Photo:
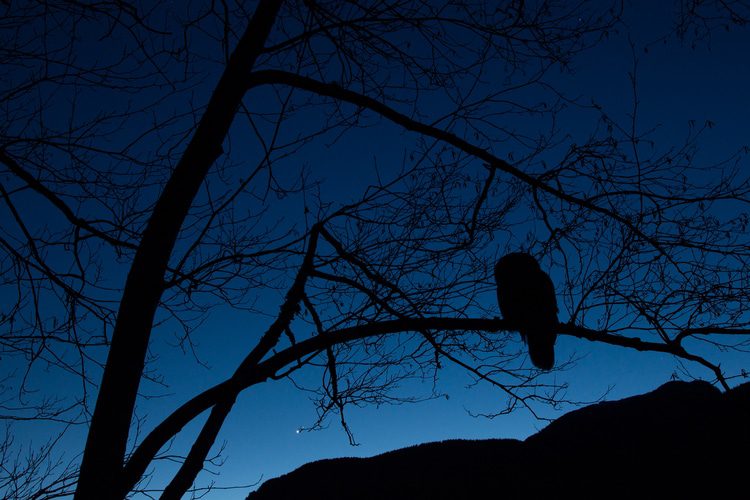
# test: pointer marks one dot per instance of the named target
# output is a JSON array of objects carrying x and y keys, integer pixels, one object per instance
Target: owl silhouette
[{"x": 526, "y": 297}]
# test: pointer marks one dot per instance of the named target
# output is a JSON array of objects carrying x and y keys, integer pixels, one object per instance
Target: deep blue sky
[{"x": 677, "y": 84}]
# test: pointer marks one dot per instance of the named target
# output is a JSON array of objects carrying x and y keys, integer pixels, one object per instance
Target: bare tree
[{"x": 175, "y": 154}]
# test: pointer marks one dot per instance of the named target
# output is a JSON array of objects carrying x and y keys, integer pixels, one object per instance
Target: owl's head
[{"x": 515, "y": 264}]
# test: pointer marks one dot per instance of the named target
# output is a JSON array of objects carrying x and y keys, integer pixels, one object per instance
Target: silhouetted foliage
[{"x": 163, "y": 163}]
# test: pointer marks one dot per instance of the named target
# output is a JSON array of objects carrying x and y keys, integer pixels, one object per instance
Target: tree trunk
[{"x": 103, "y": 458}]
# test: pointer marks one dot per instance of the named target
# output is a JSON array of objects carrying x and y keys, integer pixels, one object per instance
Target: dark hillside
[{"x": 683, "y": 439}]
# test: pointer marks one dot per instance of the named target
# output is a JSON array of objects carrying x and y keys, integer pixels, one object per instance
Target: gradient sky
[{"x": 677, "y": 84}]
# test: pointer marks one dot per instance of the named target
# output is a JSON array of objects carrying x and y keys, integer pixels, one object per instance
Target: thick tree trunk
[{"x": 101, "y": 468}]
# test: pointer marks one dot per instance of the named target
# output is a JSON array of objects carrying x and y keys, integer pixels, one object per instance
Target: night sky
[{"x": 682, "y": 83}]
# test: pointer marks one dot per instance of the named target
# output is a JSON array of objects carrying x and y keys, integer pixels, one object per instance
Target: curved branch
[
  {"x": 67, "y": 212},
  {"x": 223, "y": 395},
  {"x": 266, "y": 77},
  {"x": 253, "y": 374}
]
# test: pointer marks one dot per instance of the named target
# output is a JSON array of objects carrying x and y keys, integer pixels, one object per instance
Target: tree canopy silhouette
[{"x": 349, "y": 171}]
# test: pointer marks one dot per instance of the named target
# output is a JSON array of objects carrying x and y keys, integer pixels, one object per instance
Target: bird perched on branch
[{"x": 526, "y": 297}]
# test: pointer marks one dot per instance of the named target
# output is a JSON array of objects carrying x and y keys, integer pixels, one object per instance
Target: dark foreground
[{"x": 684, "y": 440}]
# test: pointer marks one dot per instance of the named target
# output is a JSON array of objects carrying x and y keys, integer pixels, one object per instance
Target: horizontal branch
[
  {"x": 710, "y": 330},
  {"x": 264, "y": 370}
]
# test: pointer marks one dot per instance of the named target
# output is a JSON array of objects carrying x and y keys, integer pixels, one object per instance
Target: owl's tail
[{"x": 541, "y": 344}]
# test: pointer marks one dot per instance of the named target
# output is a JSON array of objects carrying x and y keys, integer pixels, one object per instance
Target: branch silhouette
[{"x": 261, "y": 371}]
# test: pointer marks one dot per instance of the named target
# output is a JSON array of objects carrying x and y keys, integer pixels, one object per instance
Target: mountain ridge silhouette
[{"x": 684, "y": 439}]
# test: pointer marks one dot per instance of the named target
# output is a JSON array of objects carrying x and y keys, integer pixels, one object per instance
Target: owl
[{"x": 526, "y": 297}]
